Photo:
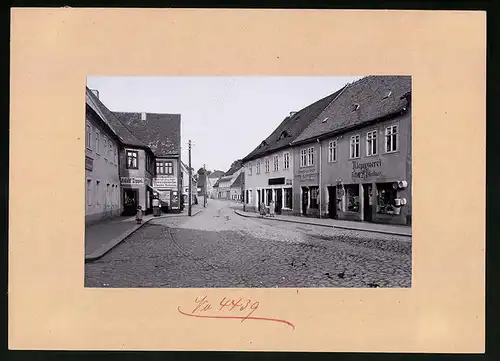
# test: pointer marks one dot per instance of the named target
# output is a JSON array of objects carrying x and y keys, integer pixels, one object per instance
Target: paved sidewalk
[
  {"x": 101, "y": 237},
  {"x": 334, "y": 223}
]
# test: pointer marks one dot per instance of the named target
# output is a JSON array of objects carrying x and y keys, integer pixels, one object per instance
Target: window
[
  {"x": 288, "y": 198},
  {"x": 332, "y": 151},
  {"x": 314, "y": 192},
  {"x": 386, "y": 194},
  {"x": 303, "y": 157},
  {"x": 249, "y": 169},
  {"x": 391, "y": 139},
  {"x": 89, "y": 192},
  {"x": 371, "y": 143},
  {"x": 110, "y": 151},
  {"x": 97, "y": 192},
  {"x": 286, "y": 160},
  {"x": 88, "y": 138},
  {"x": 164, "y": 167},
  {"x": 97, "y": 145},
  {"x": 257, "y": 167},
  {"x": 106, "y": 200},
  {"x": 310, "y": 156},
  {"x": 352, "y": 197},
  {"x": 354, "y": 143},
  {"x": 276, "y": 162},
  {"x": 105, "y": 148},
  {"x": 267, "y": 166},
  {"x": 132, "y": 159},
  {"x": 116, "y": 156}
]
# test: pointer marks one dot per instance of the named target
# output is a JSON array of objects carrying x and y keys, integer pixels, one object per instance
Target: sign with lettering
[
  {"x": 131, "y": 181},
  {"x": 308, "y": 174},
  {"x": 89, "y": 163},
  {"x": 165, "y": 182},
  {"x": 366, "y": 170}
]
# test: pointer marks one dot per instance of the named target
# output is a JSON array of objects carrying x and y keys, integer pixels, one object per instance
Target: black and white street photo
[{"x": 246, "y": 181}]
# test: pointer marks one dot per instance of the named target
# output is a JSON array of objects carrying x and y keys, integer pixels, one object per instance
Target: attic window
[
  {"x": 263, "y": 144},
  {"x": 355, "y": 107},
  {"x": 284, "y": 134},
  {"x": 324, "y": 120},
  {"x": 388, "y": 94}
]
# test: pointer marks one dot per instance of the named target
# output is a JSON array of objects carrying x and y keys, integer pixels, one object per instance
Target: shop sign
[
  {"x": 165, "y": 182},
  {"x": 366, "y": 170},
  {"x": 131, "y": 181},
  {"x": 309, "y": 174},
  {"x": 89, "y": 163}
]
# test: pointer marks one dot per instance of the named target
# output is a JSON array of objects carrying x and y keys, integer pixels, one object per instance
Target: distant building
[
  {"x": 185, "y": 184},
  {"x": 226, "y": 181},
  {"x": 236, "y": 187},
  {"x": 212, "y": 178}
]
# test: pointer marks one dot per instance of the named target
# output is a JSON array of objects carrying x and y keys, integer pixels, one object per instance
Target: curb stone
[
  {"x": 327, "y": 225},
  {"x": 100, "y": 252}
]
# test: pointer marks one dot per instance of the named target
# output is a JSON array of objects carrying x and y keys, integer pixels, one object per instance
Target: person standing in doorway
[
  {"x": 156, "y": 207},
  {"x": 271, "y": 208}
]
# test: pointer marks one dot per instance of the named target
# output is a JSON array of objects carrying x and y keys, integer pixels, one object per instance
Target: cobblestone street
[{"x": 218, "y": 248}]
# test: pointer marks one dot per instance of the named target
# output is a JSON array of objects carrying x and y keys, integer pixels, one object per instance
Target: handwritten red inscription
[{"x": 240, "y": 309}]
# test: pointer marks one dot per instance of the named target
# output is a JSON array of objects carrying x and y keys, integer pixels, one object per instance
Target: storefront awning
[{"x": 154, "y": 189}]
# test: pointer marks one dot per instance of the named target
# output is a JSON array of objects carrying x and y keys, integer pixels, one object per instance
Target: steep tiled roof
[
  {"x": 291, "y": 127},
  {"x": 118, "y": 127},
  {"x": 232, "y": 170},
  {"x": 216, "y": 174},
  {"x": 374, "y": 97},
  {"x": 216, "y": 185},
  {"x": 161, "y": 132},
  {"x": 238, "y": 181}
]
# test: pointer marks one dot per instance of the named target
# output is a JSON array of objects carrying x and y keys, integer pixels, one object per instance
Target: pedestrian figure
[
  {"x": 271, "y": 209},
  {"x": 139, "y": 214},
  {"x": 156, "y": 207},
  {"x": 262, "y": 209}
]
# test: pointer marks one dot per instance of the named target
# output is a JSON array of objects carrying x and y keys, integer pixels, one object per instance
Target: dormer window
[
  {"x": 284, "y": 134},
  {"x": 388, "y": 94},
  {"x": 263, "y": 144},
  {"x": 355, "y": 107}
]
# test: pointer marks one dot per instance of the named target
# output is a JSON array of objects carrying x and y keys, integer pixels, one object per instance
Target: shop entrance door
[
  {"x": 367, "y": 209},
  {"x": 258, "y": 199},
  {"x": 332, "y": 202},
  {"x": 305, "y": 200},
  {"x": 279, "y": 201},
  {"x": 130, "y": 202}
]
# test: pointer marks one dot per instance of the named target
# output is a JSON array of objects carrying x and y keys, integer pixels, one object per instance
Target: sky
[{"x": 225, "y": 117}]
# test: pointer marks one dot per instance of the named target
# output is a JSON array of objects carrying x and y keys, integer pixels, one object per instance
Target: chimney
[
  {"x": 143, "y": 116},
  {"x": 292, "y": 113},
  {"x": 96, "y": 92}
]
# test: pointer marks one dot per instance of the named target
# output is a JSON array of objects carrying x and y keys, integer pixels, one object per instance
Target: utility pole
[
  {"x": 205, "y": 188},
  {"x": 190, "y": 185}
]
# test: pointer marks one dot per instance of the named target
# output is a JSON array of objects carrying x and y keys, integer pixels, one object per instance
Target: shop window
[
  {"x": 132, "y": 162},
  {"x": 391, "y": 139},
  {"x": 371, "y": 143},
  {"x": 386, "y": 194},
  {"x": 286, "y": 160},
  {"x": 313, "y": 192},
  {"x": 352, "y": 197},
  {"x": 354, "y": 145},
  {"x": 89, "y": 192},
  {"x": 288, "y": 198}
]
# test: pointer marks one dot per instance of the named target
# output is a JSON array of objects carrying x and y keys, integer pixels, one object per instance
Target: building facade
[
  {"x": 354, "y": 161},
  {"x": 185, "y": 184},
  {"x": 223, "y": 187},
  {"x": 269, "y": 168},
  {"x": 102, "y": 179}
]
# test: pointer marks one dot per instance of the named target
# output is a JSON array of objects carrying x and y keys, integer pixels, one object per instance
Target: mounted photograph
[{"x": 248, "y": 182}]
